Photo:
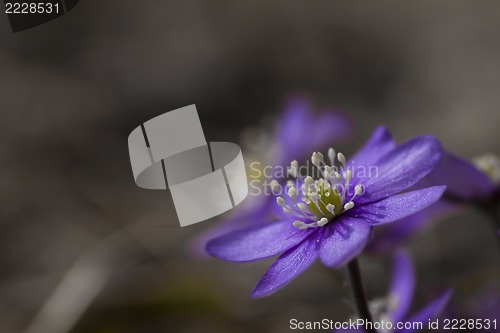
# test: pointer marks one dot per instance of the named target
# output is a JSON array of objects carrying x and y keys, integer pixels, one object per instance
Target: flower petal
[
  {"x": 257, "y": 242},
  {"x": 379, "y": 144},
  {"x": 288, "y": 266},
  {"x": 431, "y": 311},
  {"x": 397, "y": 206},
  {"x": 343, "y": 241},
  {"x": 253, "y": 211},
  {"x": 298, "y": 122},
  {"x": 390, "y": 236},
  {"x": 402, "y": 286},
  {"x": 401, "y": 168},
  {"x": 463, "y": 180}
]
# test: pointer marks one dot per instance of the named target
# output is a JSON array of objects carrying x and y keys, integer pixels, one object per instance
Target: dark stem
[{"x": 359, "y": 294}]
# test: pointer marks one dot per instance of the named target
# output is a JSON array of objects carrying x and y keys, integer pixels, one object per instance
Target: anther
[
  {"x": 328, "y": 172},
  {"x": 292, "y": 193},
  {"x": 293, "y": 169},
  {"x": 331, "y": 156},
  {"x": 316, "y": 202},
  {"x": 299, "y": 225},
  {"x": 275, "y": 186},
  {"x": 348, "y": 205},
  {"x": 341, "y": 158},
  {"x": 317, "y": 158},
  {"x": 309, "y": 180},
  {"x": 322, "y": 222},
  {"x": 302, "y": 206},
  {"x": 358, "y": 190}
]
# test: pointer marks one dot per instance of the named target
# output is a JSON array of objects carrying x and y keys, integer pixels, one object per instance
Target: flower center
[
  {"x": 319, "y": 200},
  {"x": 490, "y": 165}
]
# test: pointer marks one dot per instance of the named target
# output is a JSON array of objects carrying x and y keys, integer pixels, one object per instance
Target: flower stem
[{"x": 359, "y": 294}]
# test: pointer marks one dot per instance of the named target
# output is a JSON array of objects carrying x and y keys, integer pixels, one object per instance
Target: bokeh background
[{"x": 82, "y": 249}]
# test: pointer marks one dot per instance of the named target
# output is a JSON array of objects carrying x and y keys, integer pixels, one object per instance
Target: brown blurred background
[{"x": 82, "y": 249}]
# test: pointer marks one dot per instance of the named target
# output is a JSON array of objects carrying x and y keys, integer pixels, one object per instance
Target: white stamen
[
  {"x": 327, "y": 174},
  {"x": 348, "y": 205},
  {"x": 358, "y": 190},
  {"x": 299, "y": 214},
  {"x": 331, "y": 156},
  {"x": 309, "y": 180},
  {"x": 293, "y": 169},
  {"x": 322, "y": 222},
  {"x": 331, "y": 208},
  {"x": 317, "y": 158},
  {"x": 337, "y": 176},
  {"x": 316, "y": 202},
  {"x": 303, "y": 207},
  {"x": 341, "y": 158},
  {"x": 275, "y": 186},
  {"x": 299, "y": 225}
]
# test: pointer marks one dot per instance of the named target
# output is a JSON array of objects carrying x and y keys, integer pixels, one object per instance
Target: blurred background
[{"x": 83, "y": 249}]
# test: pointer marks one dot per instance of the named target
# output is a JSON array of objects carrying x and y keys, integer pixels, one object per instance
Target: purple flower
[
  {"x": 331, "y": 218},
  {"x": 466, "y": 184},
  {"x": 466, "y": 181},
  {"x": 395, "y": 307},
  {"x": 295, "y": 122}
]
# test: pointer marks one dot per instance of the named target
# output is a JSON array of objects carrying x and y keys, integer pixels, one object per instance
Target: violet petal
[
  {"x": 288, "y": 266},
  {"x": 390, "y": 236},
  {"x": 401, "y": 168},
  {"x": 397, "y": 206},
  {"x": 256, "y": 242},
  {"x": 402, "y": 286},
  {"x": 379, "y": 144},
  {"x": 343, "y": 240},
  {"x": 463, "y": 180}
]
